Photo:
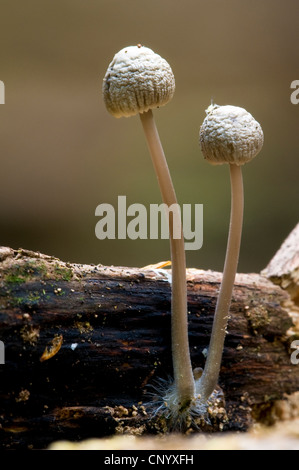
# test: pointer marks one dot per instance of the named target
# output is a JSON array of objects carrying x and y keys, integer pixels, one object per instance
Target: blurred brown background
[{"x": 62, "y": 154}]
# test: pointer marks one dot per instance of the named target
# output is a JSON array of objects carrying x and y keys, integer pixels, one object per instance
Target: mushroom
[
  {"x": 137, "y": 81},
  {"x": 229, "y": 134}
]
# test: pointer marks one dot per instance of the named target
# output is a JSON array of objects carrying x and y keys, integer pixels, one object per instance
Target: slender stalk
[
  {"x": 183, "y": 376},
  {"x": 208, "y": 382}
]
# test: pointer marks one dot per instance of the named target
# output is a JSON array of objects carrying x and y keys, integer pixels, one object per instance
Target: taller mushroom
[
  {"x": 137, "y": 81},
  {"x": 229, "y": 134}
]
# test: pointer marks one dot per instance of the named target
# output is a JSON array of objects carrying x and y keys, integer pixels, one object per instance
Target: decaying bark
[
  {"x": 283, "y": 270},
  {"x": 83, "y": 342}
]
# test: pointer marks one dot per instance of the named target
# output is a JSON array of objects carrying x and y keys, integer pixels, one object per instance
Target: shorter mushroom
[
  {"x": 229, "y": 134},
  {"x": 137, "y": 81}
]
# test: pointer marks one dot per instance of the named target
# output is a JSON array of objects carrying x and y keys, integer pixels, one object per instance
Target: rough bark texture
[
  {"x": 83, "y": 342},
  {"x": 283, "y": 270}
]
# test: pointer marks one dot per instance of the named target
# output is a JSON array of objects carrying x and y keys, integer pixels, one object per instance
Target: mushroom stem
[
  {"x": 208, "y": 382},
  {"x": 183, "y": 376}
]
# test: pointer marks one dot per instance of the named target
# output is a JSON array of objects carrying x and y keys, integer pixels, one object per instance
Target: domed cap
[
  {"x": 230, "y": 134},
  {"x": 136, "y": 81}
]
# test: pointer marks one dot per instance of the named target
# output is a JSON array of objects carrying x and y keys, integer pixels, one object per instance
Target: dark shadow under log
[{"x": 83, "y": 342}]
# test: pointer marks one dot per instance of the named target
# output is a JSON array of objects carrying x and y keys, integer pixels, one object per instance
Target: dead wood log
[{"x": 82, "y": 342}]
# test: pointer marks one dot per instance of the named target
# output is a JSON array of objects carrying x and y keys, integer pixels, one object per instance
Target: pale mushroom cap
[
  {"x": 136, "y": 81},
  {"x": 230, "y": 134}
]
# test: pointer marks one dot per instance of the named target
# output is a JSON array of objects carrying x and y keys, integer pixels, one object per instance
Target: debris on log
[{"x": 281, "y": 436}]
